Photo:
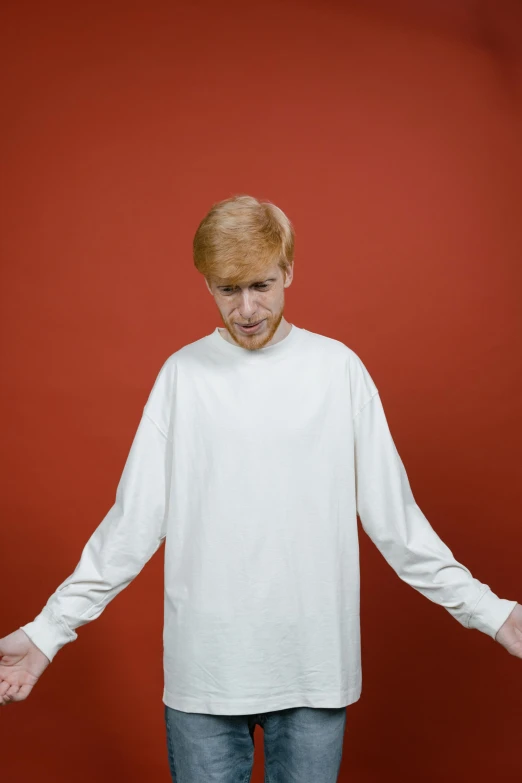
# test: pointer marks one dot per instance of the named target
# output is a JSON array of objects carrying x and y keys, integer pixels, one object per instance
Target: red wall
[{"x": 390, "y": 133}]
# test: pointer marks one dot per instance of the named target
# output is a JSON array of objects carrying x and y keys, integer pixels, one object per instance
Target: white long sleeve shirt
[{"x": 252, "y": 467}]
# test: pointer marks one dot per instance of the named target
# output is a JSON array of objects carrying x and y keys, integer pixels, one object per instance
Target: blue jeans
[{"x": 301, "y": 745}]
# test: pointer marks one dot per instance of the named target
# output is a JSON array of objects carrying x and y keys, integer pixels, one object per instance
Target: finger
[
  {"x": 4, "y": 687},
  {"x": 23, "y": 692},
  {"x": 12, "y": 692},
  {"x": 12, "y": 695}
]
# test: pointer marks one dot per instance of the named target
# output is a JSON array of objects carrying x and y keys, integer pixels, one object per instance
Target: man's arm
[
  {"x": 397, "y": 526},
  {"x": 125, "y": 540}
]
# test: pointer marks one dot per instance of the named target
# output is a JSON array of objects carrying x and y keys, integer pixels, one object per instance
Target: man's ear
[{"x": 289, "y": 276}]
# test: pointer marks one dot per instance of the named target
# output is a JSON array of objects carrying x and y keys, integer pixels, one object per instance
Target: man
[{"x": 258, "y": 446}]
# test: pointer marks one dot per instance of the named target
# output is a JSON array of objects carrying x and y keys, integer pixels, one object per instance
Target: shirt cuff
[
  {"x": 490, "y": 613},
  {"x": 48, "y": 633}
]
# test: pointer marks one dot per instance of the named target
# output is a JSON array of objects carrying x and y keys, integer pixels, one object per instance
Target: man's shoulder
[
  {"x": 195, "y": 349},
  {"x": 336, "y": 347}
]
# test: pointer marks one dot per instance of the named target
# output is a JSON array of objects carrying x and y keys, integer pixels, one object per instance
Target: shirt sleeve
[
  {"x": 396, "y": 525},
  {"x": 125, "y": 540}
]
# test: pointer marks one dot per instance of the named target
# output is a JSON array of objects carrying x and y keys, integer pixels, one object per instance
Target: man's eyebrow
[{"x": 268, "y": 280}]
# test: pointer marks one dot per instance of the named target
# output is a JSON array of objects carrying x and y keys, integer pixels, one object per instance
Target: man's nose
[{"x": 248, "y": 305}]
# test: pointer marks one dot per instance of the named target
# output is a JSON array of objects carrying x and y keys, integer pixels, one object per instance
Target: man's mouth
[{"x": 250, "y": 327}]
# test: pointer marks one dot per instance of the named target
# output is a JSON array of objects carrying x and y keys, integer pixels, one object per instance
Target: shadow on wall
[{"x": 495, "y": 26}]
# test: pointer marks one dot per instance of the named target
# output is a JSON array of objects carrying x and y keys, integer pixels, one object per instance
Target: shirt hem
[{"x": 261, "y": 705}]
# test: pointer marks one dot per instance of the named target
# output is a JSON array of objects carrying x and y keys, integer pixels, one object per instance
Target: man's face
[{"x": 257, "y": 300}]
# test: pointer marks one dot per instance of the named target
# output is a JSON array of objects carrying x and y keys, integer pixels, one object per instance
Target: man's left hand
[{"x": 509, "y": 634}]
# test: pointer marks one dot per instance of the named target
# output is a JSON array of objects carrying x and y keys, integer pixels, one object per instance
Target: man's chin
[{"x": 254, "y": 341}]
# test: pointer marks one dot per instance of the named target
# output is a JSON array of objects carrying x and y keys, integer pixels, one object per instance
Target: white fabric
[{"x": 252, "y": 466}]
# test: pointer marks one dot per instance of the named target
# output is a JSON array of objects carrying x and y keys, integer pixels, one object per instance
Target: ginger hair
[{"x": 240, "y": 238}]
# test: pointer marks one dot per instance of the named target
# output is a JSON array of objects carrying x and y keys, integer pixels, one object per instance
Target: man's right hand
[{"x": 21, "y": 664}]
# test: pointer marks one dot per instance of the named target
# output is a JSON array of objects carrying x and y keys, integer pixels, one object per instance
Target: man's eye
[{"x": 261, "y": 285}]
